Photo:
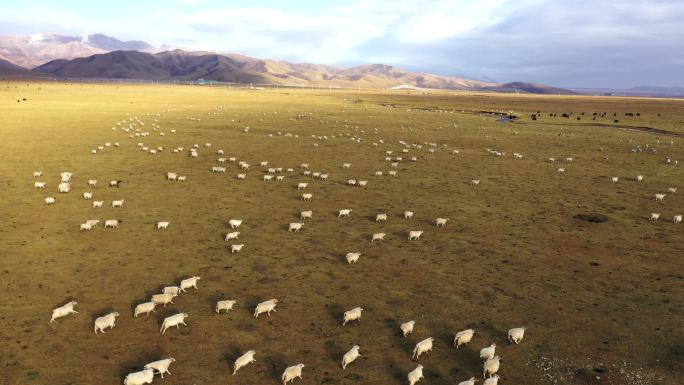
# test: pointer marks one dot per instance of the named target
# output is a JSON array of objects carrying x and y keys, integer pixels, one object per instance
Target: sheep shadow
[
  {"x": 336, "y": 312},
  {"x": 141, "y": 359},
  {"x": 104, "y": 311}
]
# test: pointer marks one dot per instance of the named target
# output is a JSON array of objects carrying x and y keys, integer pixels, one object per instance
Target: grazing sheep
[
  {"x": 493, "y": 380},
  {"x": 39, "y": 185},
  {"x": 441, "y": 222},
  {"x": 50, "y": 200},
  {"x": 654, "y": 217},
  {"x": 182, "y": 178},
  {"x": 140, "y": 378},
  {"x": 346, "y": 165},
  {"x": 189, "y": 282},
  {"x": 175, "y": 290},
  {"x": 392, "y": 173},
  {"x": 105, "y": 322},
  {"x": 295, "y": 226},
  {"x": 171, "y": 176},
  {"x": 414, "y": 235},
  {"x": 280, "y": 178},
  {"x": 488, "y": 352},
  {"x": 614, "y": 179},
  {"x": 561, "y": 170},
  {"x": 352, "y": 315},
  {"x": 64, "y": 187},
  {"x": 407, "y": 327},
  {"x": 162, "y": 225},
  {"x": 118, "y": 204},
  {"x": 115, "y": 183},
  {"x": 241, "y": 176},
  {"x": 475, "y": 182},
  {"x": 306, "y": 214},
  {"x": 162, "y": 299},
  {"x": 301, "y": 185},
  {"x": 92, "y": 182},
  {"x": 307, "y": 197},
  {"x": 344, "y": 213},
  {"x": 113, "y": 223},
  {"x": 233, "y": 235},
  {"x": 422, "y": 347},
  {"x": 350, "y": 356},
  {"x": 378, "y": 237},
  {"x": 304, "y": 165},
  {"x": 37, "y": 174},
  {"x": 552, "y": 160},
  {"x": 236, "y": 248},
  {"x": 408, "y": 214},
  {"x": 85, "y": 226},
  {"x": 463, "y": 337},
  {"x": 470, "y": 381},
  {"x": 268, "y": 178},
  {"x": 97, "y": 204},
  {"x": 378, "y": 173},
  {"x": 352, "y": 257},
  {"x": 362, "y": 183},
  {"x": 161, "y": 366},
  {"x": 677, "y": 219},
  {"x": 244, "y": 360},
  {"x": 381, "y": 218},
  {"x": 63, "y": 311},
  {"x": 516, "y": 335},
  {"x": 174, "y": 320},
  {"x": 491, "y": 366},
  {"x": 292, "y": 372},
  {"x": 265, "y": 306},
  {"x": 639, "y": 178},
  {"x": 235, "y": 223},
  {"x": 351, "y": 182},
  {"x": 145, "y": 307},
  {"x": 568, "y": 159},
  {"x": 659, "y": 197},
  {"x": 415, "y": 375},
  {"x": 225, "y": 305}
]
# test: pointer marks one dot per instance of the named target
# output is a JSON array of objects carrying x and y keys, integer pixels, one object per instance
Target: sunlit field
[{"x": 571, "y": 256}]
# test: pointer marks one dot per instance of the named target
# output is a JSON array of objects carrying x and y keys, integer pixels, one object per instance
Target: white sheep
[
  {"x": 491, "y": 366},
  {"x": 145, "y": 307},
  {"x": 97, "y": 204},
  {"x": 381, "y": 218},
  {"x": 378, "y": 237},
  {"x": 392, "y": 173},
  {"x": 295, "y": 226},
  {"x": 114, "y": 183},
  {"x": 639, "y": 178},
  {"x": 117, "y": 204},
  {"x": 362, "y": 183},
  {"x": 233, "y": 235},
  {"x": 113, "y": 223},
  {"x": 301, "y": 185},
  {"x": 175, "y": 290},
  {"x": 344, "y": 213},
  {"x": 105, "y": 322},
  {"x": 470, "y": 381},
  {"x": 163, "y": 299},
  {"x": 182, "y": 178},
  {"x": 226, "y": 305},
  {"x": 350, "y": 356},
  {"x": 171, "y": 176},
  {"x": 37, "y": 174},
  {"x": 614, "y": 179},
  {"x": 441, "y": 222},
  {"x": 162, "y": 225},
  {"x": 268, "y": 178},
  {"x": 672, "y": 190},
  {"x": 463, "y": 337},
  {"x": 654, "y": 217},
  {"x": 351, "y": 182},
  {"x": 236, "y": 248},
  {"x": 64, "y": 187},
  {"x": 291, "y": 373},
  {"x": 677, "y": 219},
  {"x": 85, "y": 226},
  {"x": 659, "y": 197},
  {"x": 39, "y": 185},
  {"x": 414, "y": 235},
  {"x": 475, "y": 182},
  {"x": 92, "y": 182},
  {"x": 408, "y": 214},
  {"x": 241, "y": 176},
  {"x": 488, "y": 352},
  {"x": 280, "y": 178},
  {"x": 142, "y": 377},
  {"x": 235, "y": 223},
  {"x": 378, "y": 173},
  {"x": 244, "y": 360},
  {"x": 422, "y": 347},
  {"x": 265, "y": 306},
  {"x": 516, "y": 335},
  {"x": 415, "y": 375},
  {"x": 346, "y": 165},
  {"x": 307, "y": 197},
  {"x": 161, "y": 366},
  {"x": 63, "y": 311},
  {"x": 493, "y": 380},
  {"x": 352, "y": 315},
  {"x": 174, "y": 320},
  {"x": 189, "y": 282},
  {"x": 50, "y": 200},
  {"x": 352, "y": 257},
  {"x": 407, "y": 327},
  {"x": 306, "y": 214}
]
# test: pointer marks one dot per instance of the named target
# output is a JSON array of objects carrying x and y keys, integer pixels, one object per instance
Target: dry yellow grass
[{"x": 599, "y": 300}]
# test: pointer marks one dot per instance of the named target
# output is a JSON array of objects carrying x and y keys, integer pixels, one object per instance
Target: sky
[{"x": 567, "y": 43}]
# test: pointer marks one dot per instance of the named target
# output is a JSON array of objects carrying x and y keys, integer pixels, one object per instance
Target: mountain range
[{"x": 103, "y": 57}]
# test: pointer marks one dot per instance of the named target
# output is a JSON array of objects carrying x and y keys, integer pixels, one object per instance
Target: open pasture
[{"x": 602, "y": 302}]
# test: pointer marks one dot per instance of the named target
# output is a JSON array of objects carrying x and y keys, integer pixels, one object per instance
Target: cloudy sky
[{"x": 570, "y": 43}]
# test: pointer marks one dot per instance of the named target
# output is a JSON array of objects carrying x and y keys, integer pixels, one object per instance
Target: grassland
[{"x": 602, "y": 301}]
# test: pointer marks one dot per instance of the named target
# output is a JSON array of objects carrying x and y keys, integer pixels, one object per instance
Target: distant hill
[
  {"x": 653, "y": 90},
  {"x": 532, "y": 88}
]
